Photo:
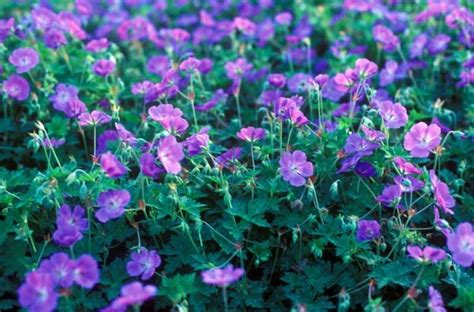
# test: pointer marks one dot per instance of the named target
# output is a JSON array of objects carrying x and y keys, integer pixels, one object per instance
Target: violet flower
[
  {"x": 365, "y": 169},
  {"x": 163, "y": 111},
  {"x": 24, "y": 59},
  {"x": 461, "y": 244},
  {"x": 438, "y": 44},
  {"x": 148, "y": 166},
  {"x": 96, "y": 118},
  {"x": 364, "y": 69},
  {"x": 97, "y": 45},
  {"x": 132, "y": 294},
  {"x": 37, "y": 292},
  {"x": 295, "y": 168},
  {"x": 60, "y": 267},
  {"x": 17, "y": 87},
  {"x": 277, "y": 80},
  {"x": 422, "y": 139},
  {"x": 251, "y": 134},
  {"x": 66, "y": 100},
  {"x": 158, "y": 65},
  {"x": 229, "y": 157},
  {"x": 71, "y": 224},
  {"x": 54, "y": 38},
  {"x": 405, "y": 167},
  {"x": 237, "y": 69},
  {"x": 112, "y": 167},
  {"x": 418, "y": 45},
  {"x": 443, "y": 198},
  {"x": 367, "y": 230},
  {"x": 86, "y": 271},
  {"x": 112, "y": 204},
  {"x": 394, "y": 115},
  {"x": 409, "y": 183},
  {"x": 196, "y": 142},
  {"x": 222, "y": 277},
  {"x": 435, "y": 303},
  {"x": 6, "y": 26},
  {"x": 170, "y": 153},
  {"x": 143, "y": 263},
  {"x": 103, "y": 67},
  {"x": 386, "y": 38},
  {"x": 427, "y": 254},
  {"x": 391, "y": 196}
]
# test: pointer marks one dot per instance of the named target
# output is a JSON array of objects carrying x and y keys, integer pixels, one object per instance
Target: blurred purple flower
[
  {"x": 364, "y": 69},
  {"x": 143, "y": 263},
  {"x": 96, "y": 118},
  {"x": 298, "y": 83},
  {"x": 422, "y": 139},
  {"x": 365, "y": 169},
  {"x": 125, "y": 135},
  {"x": 98, "y": 45},
  {"x": 435, "y": 303},
  {"x": 148, "y": 166},
  {"x": 227, "y": 158},
  {"x": 394, "y": 115},
  {"x": 43, "y": 18},
  {"x": 112, "y": 167},
  {"x": 112, "y": 204},
  {"x": 355, "y": 144},
  {"x": 133, "y": 294},
  {"x": 222, "y": 277},
  {"x": 170, "y": 153},
  {"x": 386, "y": 38},
  {"x": 218, "y": 96},
  {"x": 60, "y": 267},
  {"x": 6, "y": 26},
  {"x": 103, "y": 67},
  {"x": 284, "y": 18},
  {"x": 277, "y": 80},
  {"x": 158, "y": 65},
  {"x": 461, "y": 244},
  {"x": 71, "y": 224},
  {"x": 17, "y": 87},
  {"x": 372, "y": 135},
  {"x": 444, "y": 199},
  {"x": 67, "y": 101},
  {"x": 251, "y": 134},
  {"x": 367, "y": 230},
  {"x": 196, "y": 142},
  {"x": 54, "y": 38},
  {"x": 405, "y": 167},
  {"x": 409, "y": 183},
  {"x": 237, "y": 69},
  {"x": 427, "y": 254},
  {"x": 418, "y": 45},
  {"x": 244, "y": 25},
  {"x": 295, "y": 168},
  {"x": 438, "y": 44},
  {"x": 24, "y": 59},
  {"x": 37, "y": 292}
]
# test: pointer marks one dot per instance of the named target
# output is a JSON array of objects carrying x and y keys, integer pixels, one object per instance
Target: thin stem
[{"x": 224, "y": 297}]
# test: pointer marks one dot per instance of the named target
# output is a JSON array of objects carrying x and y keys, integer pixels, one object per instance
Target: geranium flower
[
  {"x": 17, "y": 87},
  {"x": 97, "y": 45},
  {"x": 368, "y": 230},
  {"x": 422, "y": 139},
  {"x": 112, "y": 167},
  {"x": 60, "y": 267},
  {"x": 86, "y": 271},
  {"x": 112, "y": 204},
  {"x": 443, "y": 198},
  {"x": 132, "y": 294},
  {"x": 196, "y": 142},
  {"x": 405, "y": 166},
  {"x": 408, "y": 183},
  {"x": 277, "y": 80},
  {"x": 143, "y": 263},
  {"x": 394, "y": 115},
  {"x": 148, "y": 165},
  {"x": 386, "y": 38},
  {"x": 251, "y": 134},
  {"x": 461, "y": 244},
  {"x": 37, "y": 293},
  {"x": 103, "y": 67},
  {"x": 222, "y": 277},
  {"x": 435, "y": 302},
  {"x": 67, "y": 101},
  {"x": 427, "y": 254},
  {"x": 295, "y": 168},
  {"x": 95, "y": 118},
  {"x": 24, "y": 59},
  {"x": 170, "y": 153},
  {"x": 71, "y": 225},
  {"x": 391, "y": 195},
  {"x": 238, "y": 69}
]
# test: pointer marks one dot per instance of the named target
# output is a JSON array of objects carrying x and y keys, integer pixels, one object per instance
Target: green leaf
[{"x": 178, "y": 287}]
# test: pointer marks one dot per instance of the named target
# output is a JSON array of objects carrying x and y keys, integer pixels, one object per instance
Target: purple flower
[
  {"x": 60, "y": 267},
  {"x": 37, "y": 293},
  {"x": 95, "y": 118},
  {"x": 196, "y": 142},
  {"x": 70, "y": 224},
  {"x": 43, "y": 18},
  {"x": 244, "y": 25},
  {"x": 356, "y": 145},
  {"x": 103, "y": 67},
  {"x": 97, "y": 45},
  {"x": 422, "y": 139},
  {"x": 386, "y": 38},
  {"x": 67, "y": 101},
  {"x": 236, "y": 70},
  {"x": 436, "y": 303},
  {"x": 143, "y": 263},
  {"x": 367, "y": 230},
  {"x": 125, "y": 135},
  {"x": 365, "y": 169},
  {"x": 427, "y": 254},
  {"x": 112, "y": 167},
  {"x": 175, "y": 125},
  {"x": 443, "y": 198},
  {"x": 438, "y": 44},
  {"x": 218, "y": 97},
  {"x": 24, "y": 59},
  {"x": 284, "y": 18},
  {"x": 295, "y": 168},
  {"x": 229, "y": 157},
  {"x": 6, "y": 26},
  {"x": 408, "y": 183},
  {"x": 391, "y": 196},
  {"x": 112, "y": 204},
  {"x": 130, "y": 295},
  {"x": 170, "y": 153},
  {"x": 148, "y": 165},
  {"x": 364, "y": 69},
  {"x": 251, "y": 134},
  {"x": 54, "y": 38},
  {"x": 343, "y": 82},
  {"x": 372, "y": 135},
  {"x": 418, "y": 45},
  {"x": 387, "y": 74},
  {"x": 394, "y": 115},
  {"x": 277, "y": 80},
  {"x": 190, "y": 65},
  {"x": 17, "y": 87},
  {"x": 158, "y": 65},
  {"x": 164, "y": 111},
  {"x": 461, "y": 244},
  {"x": 298, "y": 83},
  {"x": 222, "y": 277},
  {"x": 405, "y": 167},
  {"x": 86, "y": 271}
]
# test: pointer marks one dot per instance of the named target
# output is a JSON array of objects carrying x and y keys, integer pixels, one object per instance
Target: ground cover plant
[{"x": 236, "y": 155}]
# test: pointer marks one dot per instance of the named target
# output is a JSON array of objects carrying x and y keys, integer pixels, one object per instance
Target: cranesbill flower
[
  {"x": 438, "y": 44},
  {"x": 367, "y": 230},
  {"x": 298, "y": 83},
  {"x": 17, "y": 87},
  {"x": 391, "y": 196},
  {"x": 394, "y": 115},
  {"x": 112, "y": 167},
  {"x": 405, "y": 166},
  {"x": 170, "y": 153},
  {"x": 372, "y": 135},
  {"x": 365, "y": 169},
  {"x": 222, "y": 277},
  {"x": 131, "y": 295},
  {"x": 295, "y": 168},
  {"x": 71, "y": 224},
  {"x": 190, "y": 65},
  {"x": 343, "y": 82},
  {"x": 228, "y": 157},
  {"x": 443, "y": 198},
  {"x": 277, "y": 80},
  {"x": 24, "y": 59},
  {"x": 125, "y": 135},
  {"x": 95, "y": 118},
  {"x": 143, "y": 263},
  {"x": 37, "y": 293},
  {"x": 164, "y": 111},
  {"x": 386, "y": 38},
  {"x": 175, "y": 125},
  {"x": 237, "y": 69},
  {"x": 66, "y": 100},
  {"x": 112, "y": 204},
  {"x": 43, "y": 18},
  {"x": 196, "y": 142},
  {"x": 67, "y": 235},
  {"x": 148, "y": 165},
  {"x": 158, "y": 65},
  {"x": 318, "y": 82},
  {"x": 364, "y": 69},
  {"x": 409, "y": 183},
  {"x": 244, "y": 25},
  {"x": 284, "y": 18},
  {"x": 60, "y": 267},
  {"x": 86, "y": 271},
  {"x": 251, "y": 134},
  {"x": 422, "y": 139},
  {"x": 6, "y": 26},
  {"x": 418, "y": 45},
  {"x": 387, "y": 74},
  {"x": 103, "y": 67},
  {"x": 427, "y": 254},
  {"x": 357, "y": 145},
  {"x": 97, "y": 45},
  {"x": 461, "y": 244},
  {"x": 435, "y": 303},
  {"x": 54, "y": 38}
]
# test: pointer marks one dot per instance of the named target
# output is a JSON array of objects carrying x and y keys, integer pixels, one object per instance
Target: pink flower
[
  {"x": 112, "y": 167},
  {"x": 427, "y": 254},
  {"x": 394, "y": 115},
  {"x": 93, "y": 119},
  {"x": 251, "y": 134},
  {"x": 170, "y": 153},
  {"x": 422, "y": 139},
  {"x": 444, "y": 200}
]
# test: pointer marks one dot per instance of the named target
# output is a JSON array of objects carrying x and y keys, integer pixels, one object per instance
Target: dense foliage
[{"x": 237, "y": 155}]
